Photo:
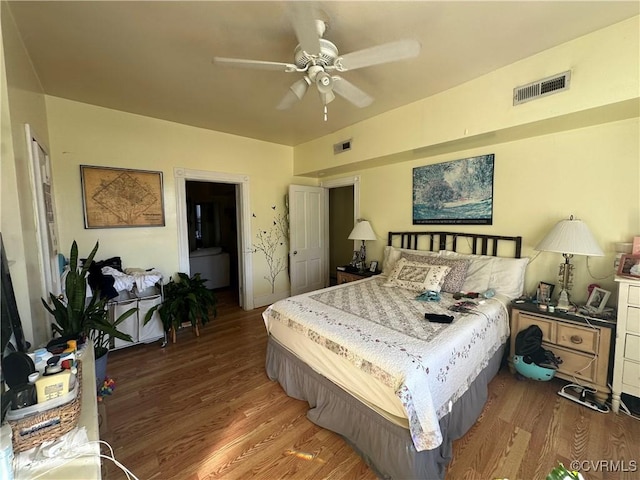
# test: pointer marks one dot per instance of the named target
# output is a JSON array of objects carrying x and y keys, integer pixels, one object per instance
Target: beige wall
[
  {"x": 22, "y": 102},
  {"x": 605, "y": 75},
  {"x": 575, "y": 152},
  {"x": 91, "y": 135},
  {"x": 592, "y": 173}
]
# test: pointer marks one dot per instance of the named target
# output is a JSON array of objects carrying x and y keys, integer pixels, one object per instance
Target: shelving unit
[{"x": 134, "y": 325}]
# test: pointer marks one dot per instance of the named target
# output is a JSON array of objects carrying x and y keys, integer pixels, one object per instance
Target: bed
[{"x": 397, "y": 386}]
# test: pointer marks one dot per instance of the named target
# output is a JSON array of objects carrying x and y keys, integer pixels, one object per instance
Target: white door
[{"x": 307, "y": 253}]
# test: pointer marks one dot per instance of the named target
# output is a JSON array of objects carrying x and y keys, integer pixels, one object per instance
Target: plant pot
[{"x": 101, "y": 370}]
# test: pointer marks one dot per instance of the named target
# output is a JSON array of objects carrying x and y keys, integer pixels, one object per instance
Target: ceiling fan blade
[
  {"x": 350, "y": 92},
  {"x": 295, "y": 93},
  {"x": 305, "y": 26},
  {"x": 387, "y": 52},
  {"x": 262, "y": 65}
]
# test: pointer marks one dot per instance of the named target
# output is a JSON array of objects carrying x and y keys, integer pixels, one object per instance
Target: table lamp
[
  {"x": 569, "y": 237},
  {"x": 362, "y": 231}
]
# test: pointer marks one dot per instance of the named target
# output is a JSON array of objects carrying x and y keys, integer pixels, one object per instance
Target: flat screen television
[{"x": 11, "y": 334}]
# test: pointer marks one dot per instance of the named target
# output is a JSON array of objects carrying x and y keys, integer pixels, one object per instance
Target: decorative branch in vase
[{"x": 268, "y": 243}]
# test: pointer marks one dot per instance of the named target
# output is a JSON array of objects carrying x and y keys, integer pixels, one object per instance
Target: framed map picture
[{"x": 120, "y": 197}]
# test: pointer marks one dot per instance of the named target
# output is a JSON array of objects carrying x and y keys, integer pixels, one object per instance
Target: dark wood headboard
[{"x": 477, "y": 244}]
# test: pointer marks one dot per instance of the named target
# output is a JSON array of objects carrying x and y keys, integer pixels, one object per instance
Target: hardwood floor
[{"x": 203, "y": 408}]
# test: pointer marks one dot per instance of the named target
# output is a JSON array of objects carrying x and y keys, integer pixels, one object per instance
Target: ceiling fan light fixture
[
  {"x": 317, "y": 57},
  {"x": 324, "y": 82},
  {"x": 299, "y": 88},
  {"x": 327, "y": 97}
]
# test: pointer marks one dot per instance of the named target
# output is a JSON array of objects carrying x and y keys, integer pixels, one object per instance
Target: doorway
[
  {"x": 340, "y": 225},
  {"x": 342, "y": 211},
  {"x": 213, "y": 235},
  {"x": 214, "y": 211}
]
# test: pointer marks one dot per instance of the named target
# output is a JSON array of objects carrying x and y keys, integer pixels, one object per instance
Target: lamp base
[
  {"x": 363, "y": 258},
  {"x": 563, "y": 301}
]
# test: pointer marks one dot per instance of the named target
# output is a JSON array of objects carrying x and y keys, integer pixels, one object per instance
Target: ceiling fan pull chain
[{"x": 325, "y": 113}]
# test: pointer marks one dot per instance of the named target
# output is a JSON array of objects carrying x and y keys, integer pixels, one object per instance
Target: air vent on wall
[
  {"x": 541, "y": 88},
  {"x": 342, "y": 147}
]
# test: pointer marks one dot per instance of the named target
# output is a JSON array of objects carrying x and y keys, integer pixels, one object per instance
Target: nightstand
[
  {"x": 352, "y": 276},
  {"x": 626, "y": 366},
  {"x": 583, "y": 343}
]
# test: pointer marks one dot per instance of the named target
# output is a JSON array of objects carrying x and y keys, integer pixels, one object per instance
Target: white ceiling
[{"x": 154, "y": 58}]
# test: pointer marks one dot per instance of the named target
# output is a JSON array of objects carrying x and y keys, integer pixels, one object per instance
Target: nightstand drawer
[
  {"x": 631, "y": 377},
  {"x": 577, "y": 338},
  {"x": 344, "y": 277},
  {"x": 548, "y": 327},
  {"x": 575, "y": 364},
  {"x": 633, "y": 319},
  {"x": 632, "y": 347},
  {"x": 634, "y": 295}
]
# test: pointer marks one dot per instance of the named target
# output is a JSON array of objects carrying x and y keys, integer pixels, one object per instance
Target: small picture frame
[
  {"x": 597, "y": 300},
  {"x": 373, "y": 266},
  {"x": 544, "y": 292},
  {"x": 629, "y": 266}
]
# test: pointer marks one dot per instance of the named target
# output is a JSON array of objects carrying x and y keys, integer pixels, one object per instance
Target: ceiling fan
[{"x": 318, "y": 59}]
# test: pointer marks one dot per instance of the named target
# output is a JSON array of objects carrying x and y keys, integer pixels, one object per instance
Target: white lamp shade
[
  {"x": 571, "y": 237},
  {"x": 362, "y": 231}
]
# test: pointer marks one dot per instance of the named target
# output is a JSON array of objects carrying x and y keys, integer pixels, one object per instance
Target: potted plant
[
  {"x": 187, "y": 299},
  {"x": 75, "y": 318}
]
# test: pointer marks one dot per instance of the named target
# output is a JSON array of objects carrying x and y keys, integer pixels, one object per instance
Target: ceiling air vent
[
  {"x": 342, "y": 147},
  {"x": 541, "y": 88}
]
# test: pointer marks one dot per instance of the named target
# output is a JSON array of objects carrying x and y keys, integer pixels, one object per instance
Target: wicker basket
[{"x": 35, "y": 429}]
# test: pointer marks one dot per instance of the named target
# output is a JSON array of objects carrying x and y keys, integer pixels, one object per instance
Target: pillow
[
  {"x": 392, "y": 254},
  {"x": 454, "y": 280},
  {"x": 478, "y": 273},
  {"x": 389, "y": 258},
  {"x": 507, "y": 276},
  {"x": 418, "y": 277},
  {"x": 504, "y": 275}
]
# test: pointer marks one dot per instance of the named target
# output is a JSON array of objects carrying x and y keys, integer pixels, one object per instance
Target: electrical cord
[
  {"x": 597, "y": 278},
  {"x": 624, "y": 408},
  {"x": 111, "y": 456},
  {"x": 531, "y": 259},
  {"x": 603, "y": 408}
]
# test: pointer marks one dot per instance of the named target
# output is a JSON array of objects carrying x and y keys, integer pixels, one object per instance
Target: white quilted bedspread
[{"x": 383, "y": 332}]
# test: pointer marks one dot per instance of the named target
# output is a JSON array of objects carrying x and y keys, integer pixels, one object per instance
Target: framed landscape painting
[{"x": 456, "y": 192}]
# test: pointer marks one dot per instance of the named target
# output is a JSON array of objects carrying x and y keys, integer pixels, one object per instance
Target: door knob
[{"x": 295, "y": 252}]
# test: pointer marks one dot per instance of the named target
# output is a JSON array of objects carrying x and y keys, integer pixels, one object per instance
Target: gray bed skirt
[{"x": 386, "y": 447}]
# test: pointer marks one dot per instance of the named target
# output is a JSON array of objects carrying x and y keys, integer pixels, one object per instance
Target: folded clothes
[
  {"x": 122, "y": 281},
  {"x": 429, "y": 296},
  {"x": 144, "y": 278}
]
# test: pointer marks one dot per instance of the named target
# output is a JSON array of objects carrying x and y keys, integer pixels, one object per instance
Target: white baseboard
[{"x": 267, "y": 300}]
